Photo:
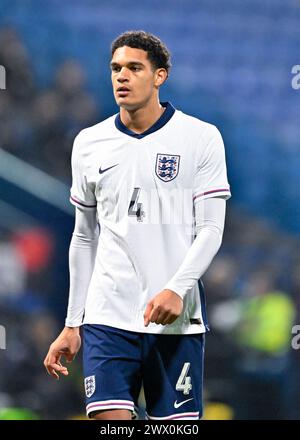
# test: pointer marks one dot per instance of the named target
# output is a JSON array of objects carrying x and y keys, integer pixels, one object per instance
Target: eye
[
  {"x": 135, "y": 68},
  {"x": 115, "y": 69}
]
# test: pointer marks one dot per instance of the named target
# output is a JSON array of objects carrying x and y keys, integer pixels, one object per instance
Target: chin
[{"x": 127, "y": 105}]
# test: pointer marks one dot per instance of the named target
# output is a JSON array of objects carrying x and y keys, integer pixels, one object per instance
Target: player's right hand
[{"x": 66, "y": 344}]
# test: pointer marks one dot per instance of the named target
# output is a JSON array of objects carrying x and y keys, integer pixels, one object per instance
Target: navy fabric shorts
[{"x": 118, "y": 362}]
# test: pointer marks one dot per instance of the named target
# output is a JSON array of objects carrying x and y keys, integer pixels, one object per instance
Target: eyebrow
[{"x": 130, "y": 63}]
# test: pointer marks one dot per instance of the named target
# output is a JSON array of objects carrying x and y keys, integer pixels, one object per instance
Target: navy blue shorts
[{"x": 118, "y": 362}]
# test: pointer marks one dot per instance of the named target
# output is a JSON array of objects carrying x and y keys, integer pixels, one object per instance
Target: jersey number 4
[
  {"x": 135, "y": 209},
  {"x": 184, "y": 382}
]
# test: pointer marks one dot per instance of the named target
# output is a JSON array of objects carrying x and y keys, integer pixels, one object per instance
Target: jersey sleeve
[
  {"x": 211, "y": 173},
  {"x": 82, "y": 194}
]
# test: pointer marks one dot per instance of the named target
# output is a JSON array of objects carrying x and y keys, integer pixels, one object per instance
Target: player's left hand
[{"x": 164, "y": 308}]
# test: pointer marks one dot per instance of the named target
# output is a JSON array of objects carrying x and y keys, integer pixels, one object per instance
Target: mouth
[{"x": 123, "y": 91}]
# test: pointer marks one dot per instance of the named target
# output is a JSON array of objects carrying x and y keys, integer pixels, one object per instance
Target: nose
[{"x": 123, "y": 75}]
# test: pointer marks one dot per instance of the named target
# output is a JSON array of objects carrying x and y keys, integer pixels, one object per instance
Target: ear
[{"x": 160, "y": 77}]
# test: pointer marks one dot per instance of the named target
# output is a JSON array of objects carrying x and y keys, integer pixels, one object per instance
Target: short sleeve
[
  {"x": 211, "y": 173},
  {"x": 81, "y": 194}
]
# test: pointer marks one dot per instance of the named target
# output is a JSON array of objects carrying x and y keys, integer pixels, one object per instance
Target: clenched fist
[{"x": 164, "y": 308}]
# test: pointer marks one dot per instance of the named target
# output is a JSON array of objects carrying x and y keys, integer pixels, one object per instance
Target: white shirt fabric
[
  {"x": 210, "y": 216},
  {"x": 144, "y": 190}
]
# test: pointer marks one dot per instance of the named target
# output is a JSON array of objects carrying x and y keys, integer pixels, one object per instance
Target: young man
[{"x": 153, "y": 179}]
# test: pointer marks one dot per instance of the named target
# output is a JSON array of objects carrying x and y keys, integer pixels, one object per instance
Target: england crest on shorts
[
  {"x": 89, "y": 385},
  {"x": 167, "y": 166}
]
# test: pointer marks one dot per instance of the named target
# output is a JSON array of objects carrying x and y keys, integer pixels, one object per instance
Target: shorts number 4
[{"x": 184, "y": 382}]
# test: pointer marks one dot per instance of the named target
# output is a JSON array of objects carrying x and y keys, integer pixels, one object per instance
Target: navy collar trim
[{"x": 165, "y": 117}]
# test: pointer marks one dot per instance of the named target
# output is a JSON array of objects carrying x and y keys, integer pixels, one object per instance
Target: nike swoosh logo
[
  {"x": 106, "y": 169},
  {"x": 177, "y": 405}
]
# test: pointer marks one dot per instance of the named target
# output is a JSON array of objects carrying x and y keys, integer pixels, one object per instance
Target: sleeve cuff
[
  {"x": 218, "y": 192},
  {"x": 77, "y": 202},
  {"x": 70, "y": 323}
]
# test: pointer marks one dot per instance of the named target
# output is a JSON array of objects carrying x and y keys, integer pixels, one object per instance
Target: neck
[{"x": 139, "y": 120}]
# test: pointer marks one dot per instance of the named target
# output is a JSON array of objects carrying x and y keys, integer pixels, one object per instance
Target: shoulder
[
  {"x": 95, "y": 133},
  {"x": 203, "y": 130}
]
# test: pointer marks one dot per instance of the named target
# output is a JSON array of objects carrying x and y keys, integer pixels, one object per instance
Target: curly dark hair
[{"x": 158, "y": 53}]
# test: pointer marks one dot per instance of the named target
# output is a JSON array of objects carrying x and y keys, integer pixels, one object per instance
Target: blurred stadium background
[{"x": 232, "y": 66}]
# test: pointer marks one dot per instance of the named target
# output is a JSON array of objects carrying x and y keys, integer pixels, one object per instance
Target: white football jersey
[{"x": 144, "y": 188}]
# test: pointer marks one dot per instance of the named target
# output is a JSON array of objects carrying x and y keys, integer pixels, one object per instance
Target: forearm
[
  {"x": 210, "y": 217},
  {"x": 82, "y": 254}
]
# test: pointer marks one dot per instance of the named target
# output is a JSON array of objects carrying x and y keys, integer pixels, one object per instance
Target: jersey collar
[{"x": 165, "y": 117}]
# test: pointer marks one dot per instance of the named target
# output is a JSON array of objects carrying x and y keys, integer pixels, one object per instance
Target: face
[{"x": 133, "y": 77}]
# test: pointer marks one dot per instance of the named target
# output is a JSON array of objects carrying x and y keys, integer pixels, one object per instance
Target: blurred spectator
[
  {"x": 267, "y": 316},
  {"x": 264, "y": 337},
  {"x": 37, "y": 125},
  {"x": 12, "y": 272},
  {"x": 14, "y": 56},
  {"x": 35, "y": 247}
]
